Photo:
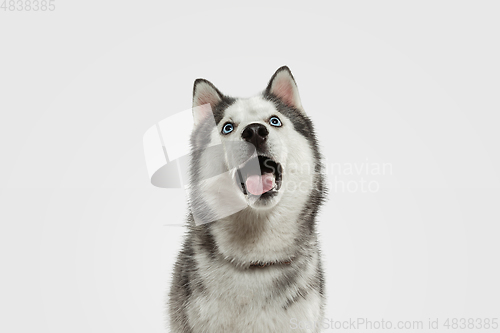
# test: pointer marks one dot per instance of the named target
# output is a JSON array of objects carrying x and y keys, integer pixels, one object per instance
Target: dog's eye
[
  {"x": 275, "y": 121},
  {"x": 227, "y": 128}
]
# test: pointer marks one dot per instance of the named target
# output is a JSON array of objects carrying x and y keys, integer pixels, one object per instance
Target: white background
[{"x": 83, "y": 241}]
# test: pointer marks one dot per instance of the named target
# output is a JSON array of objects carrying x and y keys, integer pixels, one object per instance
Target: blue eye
[
  {"x": 275, "y": 121},
  {"x": 227, "y": 128}
]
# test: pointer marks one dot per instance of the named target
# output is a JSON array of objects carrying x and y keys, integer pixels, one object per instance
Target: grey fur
[{"x": 189, "y": 284}]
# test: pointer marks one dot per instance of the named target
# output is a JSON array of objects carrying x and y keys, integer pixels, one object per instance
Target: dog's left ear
[
  {"x": 282, "y": 85},
  {"x": 204, "y": 94}
]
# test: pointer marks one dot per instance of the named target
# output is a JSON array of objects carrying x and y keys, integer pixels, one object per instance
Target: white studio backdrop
[{"x": 408, "y": 89}]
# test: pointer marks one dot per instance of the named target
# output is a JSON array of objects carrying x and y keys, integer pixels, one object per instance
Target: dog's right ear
[
  {"x": 204, "y": 92},
  {"x": 282, "y": 85}
]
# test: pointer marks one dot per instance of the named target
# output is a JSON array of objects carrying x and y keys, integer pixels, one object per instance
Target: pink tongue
[{"x": 258, "y": 184}]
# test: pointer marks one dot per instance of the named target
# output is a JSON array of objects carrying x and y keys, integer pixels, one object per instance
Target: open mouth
[{"x": 260, "y": 176}]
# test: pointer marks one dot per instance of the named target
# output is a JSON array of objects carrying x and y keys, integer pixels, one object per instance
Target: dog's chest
[{"x": 249, "y": 302}]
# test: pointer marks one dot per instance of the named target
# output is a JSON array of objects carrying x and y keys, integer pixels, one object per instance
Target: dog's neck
[{"x": 254, "y": 240}]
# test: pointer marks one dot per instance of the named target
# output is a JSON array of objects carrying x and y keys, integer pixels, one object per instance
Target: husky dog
[{"x": 257, "y": 268}]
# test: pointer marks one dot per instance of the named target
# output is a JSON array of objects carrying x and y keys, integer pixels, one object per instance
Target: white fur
[
  {"x": 264, "y": 233},
  {"x": 250, "y": 294}
]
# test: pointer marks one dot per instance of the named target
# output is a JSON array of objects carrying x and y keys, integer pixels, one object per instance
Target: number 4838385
[{"x": 28, "y": 5}]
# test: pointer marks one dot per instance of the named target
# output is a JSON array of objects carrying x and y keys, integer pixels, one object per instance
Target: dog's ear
[
  {"x": 204, "y": 92},
  {"x": 282, "y": 85}
]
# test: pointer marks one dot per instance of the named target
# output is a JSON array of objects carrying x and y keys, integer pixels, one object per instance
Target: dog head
[{"x": 257, "y": 152}]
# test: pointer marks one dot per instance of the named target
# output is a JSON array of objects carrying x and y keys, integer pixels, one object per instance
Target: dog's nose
[{"x": 255, "y": 134}]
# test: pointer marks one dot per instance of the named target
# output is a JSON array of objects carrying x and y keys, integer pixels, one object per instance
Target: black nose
[{"x": 255, "y": 134}]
